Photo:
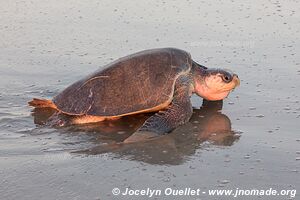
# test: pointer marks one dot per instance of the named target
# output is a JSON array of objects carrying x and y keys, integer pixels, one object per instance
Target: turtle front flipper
[{"x": 177, "y": 113}]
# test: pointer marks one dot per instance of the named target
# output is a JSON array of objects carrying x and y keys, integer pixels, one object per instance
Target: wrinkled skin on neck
[{"x": 213, "y": 84}]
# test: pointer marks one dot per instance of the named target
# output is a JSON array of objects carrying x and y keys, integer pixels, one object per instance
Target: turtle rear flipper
[{"x": 42, "y": 103}]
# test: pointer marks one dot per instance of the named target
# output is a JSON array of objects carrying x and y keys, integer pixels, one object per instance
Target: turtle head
[{"x": 214, "y": 84}]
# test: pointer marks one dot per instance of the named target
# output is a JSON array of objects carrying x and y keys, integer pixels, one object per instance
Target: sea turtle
[{"x": 156, "y": 80}]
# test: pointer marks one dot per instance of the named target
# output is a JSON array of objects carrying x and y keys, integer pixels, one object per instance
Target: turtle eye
[{"x": 226, "y": 78}]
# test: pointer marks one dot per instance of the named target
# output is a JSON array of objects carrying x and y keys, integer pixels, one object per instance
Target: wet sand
[{"x": 250, "y": 140}]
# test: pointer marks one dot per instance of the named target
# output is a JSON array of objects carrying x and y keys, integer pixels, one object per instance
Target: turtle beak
[{"x": 236, "y": 80}]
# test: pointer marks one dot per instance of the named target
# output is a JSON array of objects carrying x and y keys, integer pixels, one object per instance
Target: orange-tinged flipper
[{"x": 42, "y": 103}]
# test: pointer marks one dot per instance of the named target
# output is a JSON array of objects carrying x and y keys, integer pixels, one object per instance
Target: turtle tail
[{"x": 42, "y": 103}]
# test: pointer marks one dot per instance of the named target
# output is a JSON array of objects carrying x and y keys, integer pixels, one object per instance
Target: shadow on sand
[{"x": 208, "y": 126}]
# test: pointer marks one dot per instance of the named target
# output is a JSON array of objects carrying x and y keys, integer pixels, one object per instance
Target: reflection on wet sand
[{"x": 207, "y": 126}]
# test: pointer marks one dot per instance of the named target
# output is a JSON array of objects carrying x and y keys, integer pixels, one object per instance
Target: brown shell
[{"x": 132, "y": 84}]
